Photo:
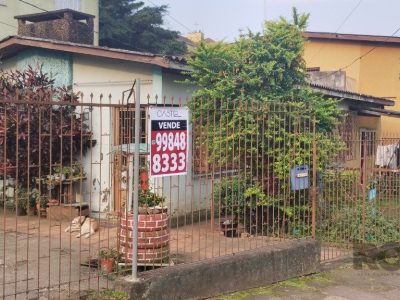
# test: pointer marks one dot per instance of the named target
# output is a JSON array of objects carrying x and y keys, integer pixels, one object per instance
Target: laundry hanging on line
[{"x": 386, "y": 156}]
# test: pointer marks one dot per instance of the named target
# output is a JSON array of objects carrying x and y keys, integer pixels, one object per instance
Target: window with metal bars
[
  {"x": 368, "y": 142},
  {"x": 125, "y": 125}
]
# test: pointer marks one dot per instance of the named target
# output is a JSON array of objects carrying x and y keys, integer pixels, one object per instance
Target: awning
[{"x": 374, "y": 111}]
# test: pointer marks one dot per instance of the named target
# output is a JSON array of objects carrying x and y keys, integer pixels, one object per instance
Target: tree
[
  {"x": 128, "y": 24},
  {"x": 37, "y": 134},
  {"x": 254, "y": 105}
]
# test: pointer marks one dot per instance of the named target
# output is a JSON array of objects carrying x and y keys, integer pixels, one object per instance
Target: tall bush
[
  {"x": 257, "y": 76},
  {"x": 37, "y": 132},
  {"x": 254, "y": 112}
]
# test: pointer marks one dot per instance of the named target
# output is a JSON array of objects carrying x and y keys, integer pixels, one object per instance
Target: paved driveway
[{"x": 341, "y": 283}]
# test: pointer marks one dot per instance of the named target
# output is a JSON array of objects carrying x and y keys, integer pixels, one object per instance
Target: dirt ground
[
  {"x": 39, "y": 260},
  {"x": 342, "y": 283}
]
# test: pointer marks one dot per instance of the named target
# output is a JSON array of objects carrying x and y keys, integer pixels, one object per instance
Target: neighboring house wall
[
  {"x": 109, "y": 76},
  {"x": 11, "y": 8},
  {"x": 57, "y": 64},
  {"x": 375, "y": 74},
  {"x": 173, "y": 87}
]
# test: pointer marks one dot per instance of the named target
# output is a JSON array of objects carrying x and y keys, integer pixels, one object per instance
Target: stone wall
[{"x": 226, "y": 274}]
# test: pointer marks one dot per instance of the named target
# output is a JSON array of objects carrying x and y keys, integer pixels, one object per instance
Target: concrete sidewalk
[{"x": 342, "y": 283}]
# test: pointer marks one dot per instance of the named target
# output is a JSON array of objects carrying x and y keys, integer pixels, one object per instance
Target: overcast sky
[{"x": 222, "y": 19}]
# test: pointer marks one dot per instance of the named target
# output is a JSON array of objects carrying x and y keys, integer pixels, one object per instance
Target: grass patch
[
  {"x": 300, "y": 283},
  {"x": 109, "y": 295}
]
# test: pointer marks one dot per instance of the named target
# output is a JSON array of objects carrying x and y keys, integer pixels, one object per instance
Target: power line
[
  {"x": 4, "y": 23},
  {"x": 340, "y": 26},
  {"x": 371, "y": 50},
  {"x": 349, "y": 15},
  {"x": 172, "y": 18},
  {"x": 363, "y": 55},
  {"x": 33, "y": 5}
]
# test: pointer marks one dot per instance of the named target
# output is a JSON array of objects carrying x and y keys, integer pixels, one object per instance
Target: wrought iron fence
[
  {"x": 358, "y": 197},
  {"x": 258, "y": 174},
  {"x": 67, "y": 172}
]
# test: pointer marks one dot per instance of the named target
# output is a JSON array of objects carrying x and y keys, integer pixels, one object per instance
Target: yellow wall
[
  {"x": 376, "y": 73},
  {"x": 11, "y": 8}
]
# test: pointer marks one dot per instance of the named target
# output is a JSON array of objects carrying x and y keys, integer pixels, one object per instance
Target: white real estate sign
[{"x": 168, "y": 141}]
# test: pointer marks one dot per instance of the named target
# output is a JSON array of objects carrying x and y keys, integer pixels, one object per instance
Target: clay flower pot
[
  {"x": 107, "y": 259},
  {"x": 144, "y": 179},
  {"x": 106, "y": 264}
]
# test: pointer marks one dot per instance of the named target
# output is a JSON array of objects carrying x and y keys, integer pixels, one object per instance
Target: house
[
  {"x": 11, "y": 8},
  {"x": 362, "y": 122},
  {"x": 369, "y": 62},
  {"x": 97, "y": 72}
]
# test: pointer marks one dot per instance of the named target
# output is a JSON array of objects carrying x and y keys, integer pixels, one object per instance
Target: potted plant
[
  {"x": 60, "y": 173},
  {"x": 108, "y": 258},
  {"x": 144, "y": 178},
  {"x": 150, "y": 202},
  {"x": 77, "y": 171},
  {"x": 153, "y": 221}
]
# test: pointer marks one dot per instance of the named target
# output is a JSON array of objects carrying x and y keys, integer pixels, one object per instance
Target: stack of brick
[{"x": 153, "y": 238}]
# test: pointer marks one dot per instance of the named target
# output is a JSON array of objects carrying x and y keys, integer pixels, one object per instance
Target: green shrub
[
  {"x": 343, "y": 223},
  {"x": 261, "y": 213}
]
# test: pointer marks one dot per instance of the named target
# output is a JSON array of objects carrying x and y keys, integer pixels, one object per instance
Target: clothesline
[{"x": 386, "y": 156}]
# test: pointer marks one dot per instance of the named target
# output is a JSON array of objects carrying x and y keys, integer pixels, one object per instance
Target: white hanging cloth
[{"x": 386, "y": 156}]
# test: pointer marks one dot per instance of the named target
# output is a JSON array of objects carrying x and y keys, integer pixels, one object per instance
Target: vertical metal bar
[
  {"x": 363, "y": 186},
  {"x": 136, "y": 182},
  {"x": 314, "y": 188}
]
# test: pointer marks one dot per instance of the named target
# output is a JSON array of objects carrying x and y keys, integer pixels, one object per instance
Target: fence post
[
  {"x": 364, "y": 141},
  {"x": 136, "y": 182},
  {"x": 314, "y": 186}
]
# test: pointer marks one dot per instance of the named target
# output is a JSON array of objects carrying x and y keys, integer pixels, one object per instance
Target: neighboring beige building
[
  {"x": 192, "y": 39},
  {"x": 370, "y": 64},
  {"x": 11, "y": 8}
]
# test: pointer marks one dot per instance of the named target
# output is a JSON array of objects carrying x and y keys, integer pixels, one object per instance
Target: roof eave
[
  {"x": 54, "y": 12},
  {"x": 146, "y": 58},
  {"x": 353, "y": 96},
  {"x": 346, "y": 37}
]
